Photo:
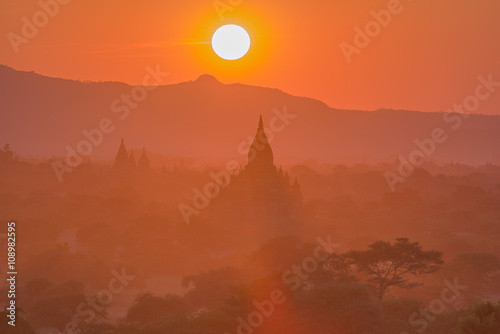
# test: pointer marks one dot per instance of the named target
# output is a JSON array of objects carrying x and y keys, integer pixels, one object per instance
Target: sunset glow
[{"x": 249, "y": 166}]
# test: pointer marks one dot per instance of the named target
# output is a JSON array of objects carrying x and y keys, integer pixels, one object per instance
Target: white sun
[{"x": 231, "y": 42}]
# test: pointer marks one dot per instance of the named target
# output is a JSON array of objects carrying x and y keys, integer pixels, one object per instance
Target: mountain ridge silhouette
[{"x": 42, "y": 115}]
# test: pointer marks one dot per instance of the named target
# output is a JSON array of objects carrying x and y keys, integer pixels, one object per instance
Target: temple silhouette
[
  {"x": 260, "y": 195},
  {"x": 126, "y": 164}
]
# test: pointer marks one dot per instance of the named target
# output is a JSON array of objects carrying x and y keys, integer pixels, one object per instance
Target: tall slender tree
[{"x": 388, "y": 265}]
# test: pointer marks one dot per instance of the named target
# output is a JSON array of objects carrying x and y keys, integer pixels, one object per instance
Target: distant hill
[{"x": 41, "y": 116}]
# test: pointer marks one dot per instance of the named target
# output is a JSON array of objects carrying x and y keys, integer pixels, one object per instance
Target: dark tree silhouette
[{"x": 390, "y": 265}]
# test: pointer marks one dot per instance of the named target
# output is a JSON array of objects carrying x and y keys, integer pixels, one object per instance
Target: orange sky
[{"x": 427, "y": 58}]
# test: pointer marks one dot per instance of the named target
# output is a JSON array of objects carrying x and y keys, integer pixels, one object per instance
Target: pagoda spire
[
  {"x": 260, "y": 154},
  {"x": 122, "y": 158}
]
